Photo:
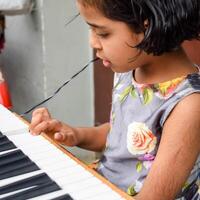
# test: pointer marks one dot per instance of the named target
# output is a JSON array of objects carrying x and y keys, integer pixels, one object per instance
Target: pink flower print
[
  {"x": 147, "y": 157},
  {"x": 140, "y": 140}
]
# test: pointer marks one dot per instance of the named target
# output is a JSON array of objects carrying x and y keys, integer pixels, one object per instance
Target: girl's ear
[{"x": 146, "y": 23}]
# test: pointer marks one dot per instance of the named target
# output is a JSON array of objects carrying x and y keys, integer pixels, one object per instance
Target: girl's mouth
[{"x": 106, "y": 63}]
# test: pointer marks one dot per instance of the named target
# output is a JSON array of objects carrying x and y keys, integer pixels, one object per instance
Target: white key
[
  {"x": 90, "y": 192},
  {"x": 50, "y": 195},
  {"x": 10, "y": 124}
]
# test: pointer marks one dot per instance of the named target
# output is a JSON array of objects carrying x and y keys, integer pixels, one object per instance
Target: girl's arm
[
  {"x": 93, "y": 138},
  {"x": 177, "y": 153}
]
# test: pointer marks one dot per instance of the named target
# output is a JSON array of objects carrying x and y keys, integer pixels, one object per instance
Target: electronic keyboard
[{"x": 37, "y": 168}]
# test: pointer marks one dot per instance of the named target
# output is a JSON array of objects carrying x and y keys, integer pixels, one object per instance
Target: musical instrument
[{"x": 38, "y": 168}]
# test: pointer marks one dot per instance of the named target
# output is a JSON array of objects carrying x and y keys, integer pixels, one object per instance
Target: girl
[{"x": 152, "y": 143}]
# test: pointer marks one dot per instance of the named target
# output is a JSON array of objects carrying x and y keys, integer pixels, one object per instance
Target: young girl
[{"x": 152, "y": 143}]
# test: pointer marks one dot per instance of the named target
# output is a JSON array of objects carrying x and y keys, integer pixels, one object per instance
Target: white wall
[{"x": 41, "y": 53}]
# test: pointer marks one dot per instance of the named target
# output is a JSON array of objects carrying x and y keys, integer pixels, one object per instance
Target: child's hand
[{"x": 43, "y": 122}]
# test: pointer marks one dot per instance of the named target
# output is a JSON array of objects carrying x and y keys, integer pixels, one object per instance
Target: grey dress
[{"x": 138, "y": 114}]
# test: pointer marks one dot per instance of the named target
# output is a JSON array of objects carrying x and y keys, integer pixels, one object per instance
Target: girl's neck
[{"x": 165, "y": 67}]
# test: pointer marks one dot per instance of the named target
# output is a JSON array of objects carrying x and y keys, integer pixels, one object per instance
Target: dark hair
[{"x": 170, "y": 22}]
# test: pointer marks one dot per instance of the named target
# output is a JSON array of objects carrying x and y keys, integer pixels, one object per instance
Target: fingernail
[
  {"x": 58, "y": 136},
  {"x": 34, "y": 134}
]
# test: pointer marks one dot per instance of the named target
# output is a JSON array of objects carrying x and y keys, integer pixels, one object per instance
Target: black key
[
  {"x": 31, "y": 167},
  {"x": 3, "y": 138},
  {"x": 11, "y": 157},
  {"x": 25, "y": 183},
  {"x": 14, "y": 165},
  {"x": 63, "y": 197},
  {"x": 34, "y": 192},
  {"x": 18, "y": 165},
  {"x": 6, "y": 144}
]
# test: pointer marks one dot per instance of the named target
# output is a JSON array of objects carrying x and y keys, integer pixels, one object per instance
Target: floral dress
[{"x": 137, "y": 117}]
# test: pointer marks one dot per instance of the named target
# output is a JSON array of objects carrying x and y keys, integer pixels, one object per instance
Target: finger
[
  {"x": 66, "y": 138},
  {"x": 59, "y": 137},
  {"x": 38, "y": 116},
  {"x": 46, "y": 126},
  {"x": 44, "y": 111}
]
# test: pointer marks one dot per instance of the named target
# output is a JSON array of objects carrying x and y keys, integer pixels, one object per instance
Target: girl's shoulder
[{"x": 183, "y": 91}]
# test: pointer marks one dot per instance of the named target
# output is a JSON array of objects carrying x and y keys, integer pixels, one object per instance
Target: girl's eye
[{"x": 103, "y": 35}]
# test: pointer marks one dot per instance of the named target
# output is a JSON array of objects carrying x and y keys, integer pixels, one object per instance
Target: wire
[
  {"x": 50, "y": 97},
  {"x": 72, "y": 19},
  {"x": 65, "y": 83}
]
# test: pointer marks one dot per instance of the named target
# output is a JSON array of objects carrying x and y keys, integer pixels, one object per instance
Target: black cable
[
  {"x": 65, "y": 83},
  {"x": 50, "y": 97},
  {"x": 72, "y": 19}
]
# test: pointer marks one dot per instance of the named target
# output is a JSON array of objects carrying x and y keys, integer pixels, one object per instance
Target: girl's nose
[{"x": 94, "y": 41}]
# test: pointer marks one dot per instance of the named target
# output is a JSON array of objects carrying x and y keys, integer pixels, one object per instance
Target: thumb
[{"x": 59, "y": 137}]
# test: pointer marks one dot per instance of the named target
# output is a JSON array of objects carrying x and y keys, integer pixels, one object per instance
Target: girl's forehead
[
  {"x": 93, "y": 3},
  {"x": 90, "y": 12}
]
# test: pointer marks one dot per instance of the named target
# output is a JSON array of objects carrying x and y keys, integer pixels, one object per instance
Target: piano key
[
  {"x": 3, "y": 138},
  {"x": 17, "y": 169},
  {"x": 7, "y": 151},
  {"x": 89, "y": 192},
  {"x": 108, "y": 195},
  {"x": 19, "y": 177},
  {"x": 81, "y": 187},
  {"x": 10, "y": 163},
  {"x": 10, "y": 123},
  {"x": 12, "y": 157},
  {"x": 6, "y": 144},
  {"x": 64, "y": 181},
  {"x": 51, "y": 196},
  {"x": 84, "y": 188},
  {"x": 25, "y": 183},
  {"x": 76, "y": 182},
  {"x": 63, "y": 197},
  {"x": 34, "y": 192},
  {"x": 12, "y": 193},
  {"x": 71, "y": 187}
]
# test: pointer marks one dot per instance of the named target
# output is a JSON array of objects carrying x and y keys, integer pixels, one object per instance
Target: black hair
[{"x": 169, "y": 22}]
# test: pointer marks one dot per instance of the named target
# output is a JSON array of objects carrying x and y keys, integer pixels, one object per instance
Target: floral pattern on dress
[
  {"x": 140, "y": 139},
  {"x": 145, "y": 161},
  {"x": 147, "y": 93},
  {"x": 166, "y": 88},
  {"x": 130, "y": 90},
  {"x": 135, "y": 188}
]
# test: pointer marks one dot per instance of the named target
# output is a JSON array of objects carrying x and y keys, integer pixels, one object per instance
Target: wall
[{"x": 41, "y": 53}]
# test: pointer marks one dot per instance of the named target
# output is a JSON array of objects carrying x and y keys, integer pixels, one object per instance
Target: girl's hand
[{"x": 42, "y": 122}]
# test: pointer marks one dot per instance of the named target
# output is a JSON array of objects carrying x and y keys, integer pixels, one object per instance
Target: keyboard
[{"x": 35, "y": 167}]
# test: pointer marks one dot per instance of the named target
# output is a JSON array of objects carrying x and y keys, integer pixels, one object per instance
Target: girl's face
[{"x": 111, "y": 40}]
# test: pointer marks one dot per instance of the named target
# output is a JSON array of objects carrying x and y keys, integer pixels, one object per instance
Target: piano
[{"x": 37, "y": 168}]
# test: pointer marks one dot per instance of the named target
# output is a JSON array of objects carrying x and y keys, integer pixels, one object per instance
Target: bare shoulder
[
  {"x": 188, "y": 108},
  {"x": 184, "y": 120},
  {"x": 192, "y": 101}
]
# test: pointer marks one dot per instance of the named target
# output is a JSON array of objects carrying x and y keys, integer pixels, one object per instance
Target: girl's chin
[{"x": 119, "y": 70}]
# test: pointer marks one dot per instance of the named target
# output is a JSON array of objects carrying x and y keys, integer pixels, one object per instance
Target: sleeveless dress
[{"x": 138, "y": 114}]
